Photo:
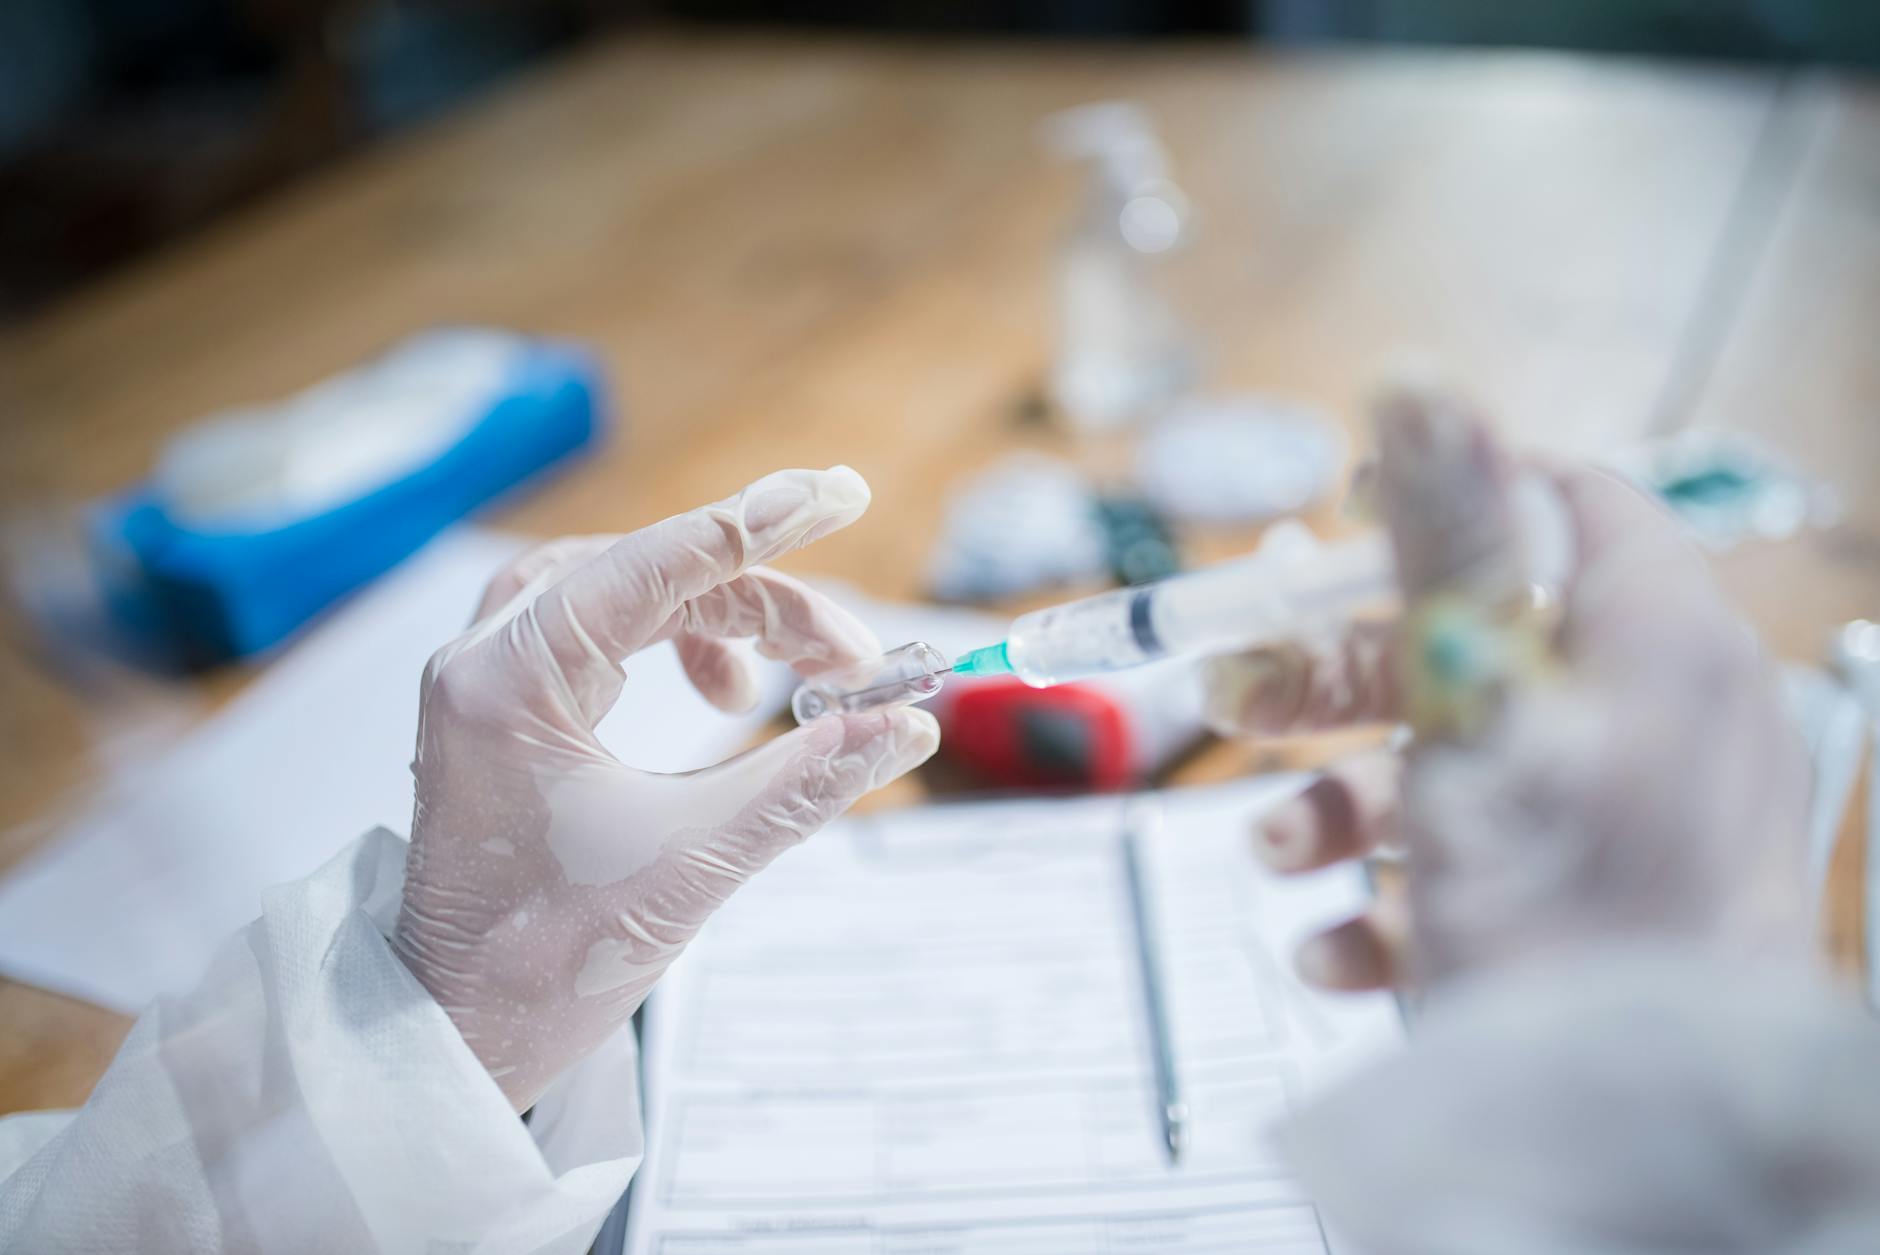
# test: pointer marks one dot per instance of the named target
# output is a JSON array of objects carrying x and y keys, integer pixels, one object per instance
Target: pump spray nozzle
[{"x": 1128, "y": 167}]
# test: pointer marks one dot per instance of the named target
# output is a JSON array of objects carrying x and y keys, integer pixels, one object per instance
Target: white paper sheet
[
  {"x": 133, "y": 897},
  {"x": 926, "y": 1032}
]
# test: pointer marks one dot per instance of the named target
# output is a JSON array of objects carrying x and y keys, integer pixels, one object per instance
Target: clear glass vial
[{"x": 900, "y": 676}]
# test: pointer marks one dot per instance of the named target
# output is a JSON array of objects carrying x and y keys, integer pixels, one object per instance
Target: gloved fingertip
[
  {"x": 1284, "y": 839},
  {"x": 844, "y": 484},
  {"x": 1251, "y": 692},
  {"x": 737, "y": 697},
  {"x": 1426, "y": 432},
  {"x": 1407, "y": 388},
  {"x": 1349, "y": 957},
  {"x": 787, "y": 509},
  {"x": 916, "y": 737},
  {"x": 721, "y": 672},
  {"x": 844, "y": 470},
  {"x": 1444, "y": 486},
  {"x": 734, "y": 686},
  {"x": 1316, "y": 961},
  {"x": 845, "y": 494},
  {"x": 926, "y": 728}
]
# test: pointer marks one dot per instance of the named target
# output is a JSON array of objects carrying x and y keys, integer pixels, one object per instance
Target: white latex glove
[
  {"x": 1640, "y": 781},
  {"x": 548, "y": 884},
  {"x": 1623, "y": 1046}
]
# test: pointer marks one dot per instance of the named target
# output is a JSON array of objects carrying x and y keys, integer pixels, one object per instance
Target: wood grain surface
[{"x": 808, "y": 252}]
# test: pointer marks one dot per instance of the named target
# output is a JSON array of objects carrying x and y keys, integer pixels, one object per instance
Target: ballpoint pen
[{"x": 1137, "y": 822}]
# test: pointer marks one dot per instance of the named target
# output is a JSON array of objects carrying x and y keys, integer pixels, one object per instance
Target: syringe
[
  {"x": 1275, "y": 592},
  {"x": 1262, "y": 597},
  {"x": 1278, "y": 592}
]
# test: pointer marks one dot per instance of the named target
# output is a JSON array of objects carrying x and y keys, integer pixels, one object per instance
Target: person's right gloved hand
[
  {"x": 549, "y": 885},
  {"x": 1642, "y": 780}
]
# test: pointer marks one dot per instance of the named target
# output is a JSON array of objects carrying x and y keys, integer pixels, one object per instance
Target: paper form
[{"x": 925, "y": 1032}]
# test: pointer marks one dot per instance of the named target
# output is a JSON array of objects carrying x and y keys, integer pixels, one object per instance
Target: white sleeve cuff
[{"x": 310, "y": 1093}]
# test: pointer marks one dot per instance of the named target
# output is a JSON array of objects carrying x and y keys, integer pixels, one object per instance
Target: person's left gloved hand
[
  {"x": 1623, "y": 1042},
  {"x": 1627, "y": 772},
  {"x": 548, "y": 884}
]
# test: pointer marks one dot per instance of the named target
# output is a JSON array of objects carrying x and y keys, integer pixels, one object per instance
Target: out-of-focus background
[
  {"x": 1088, "y": 291},
  {"x": 124, "y": 123}
]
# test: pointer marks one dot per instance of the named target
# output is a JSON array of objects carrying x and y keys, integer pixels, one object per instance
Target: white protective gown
[{"x": 309, "y": 1095}]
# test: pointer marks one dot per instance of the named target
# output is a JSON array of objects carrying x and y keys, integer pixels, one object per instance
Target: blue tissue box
[{"x": 203, "y": 596}]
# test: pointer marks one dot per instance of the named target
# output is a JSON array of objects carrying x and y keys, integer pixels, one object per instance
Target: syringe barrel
[
  {"x": 1079, "y": 638},
  {"x": 1266, "y": 596}
]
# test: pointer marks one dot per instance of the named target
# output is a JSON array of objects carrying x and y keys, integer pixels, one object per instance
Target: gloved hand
[
  {"x": 1633, "y": 775},
  {"x": 548, "y": 885}
]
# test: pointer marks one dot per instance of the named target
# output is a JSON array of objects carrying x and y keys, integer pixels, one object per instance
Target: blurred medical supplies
[
  {"x": 254, "y": 521},
  {"x": 1140, "y": 545},
  {"x": 1108, "y": 733},
  {"x": 146, "y": 881},
  {"x": 1121, "y": 348},
  {"x": 1031, "y": 522},
  {"x": 1237, "y": 459},
  {"x": 1729, "y": 488},
  {"x": 924, "y": 1031},
  {"x": 1025, "y": 523}
]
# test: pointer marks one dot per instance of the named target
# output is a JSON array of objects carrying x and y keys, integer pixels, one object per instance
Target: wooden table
[{"x": 808, "y": 252}]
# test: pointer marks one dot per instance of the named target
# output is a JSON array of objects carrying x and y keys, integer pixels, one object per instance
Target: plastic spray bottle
[{"x": 1121, "y": 350}]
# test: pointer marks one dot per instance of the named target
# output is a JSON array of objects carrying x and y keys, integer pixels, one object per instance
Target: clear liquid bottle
[{"x": 1121, "y": 348}]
